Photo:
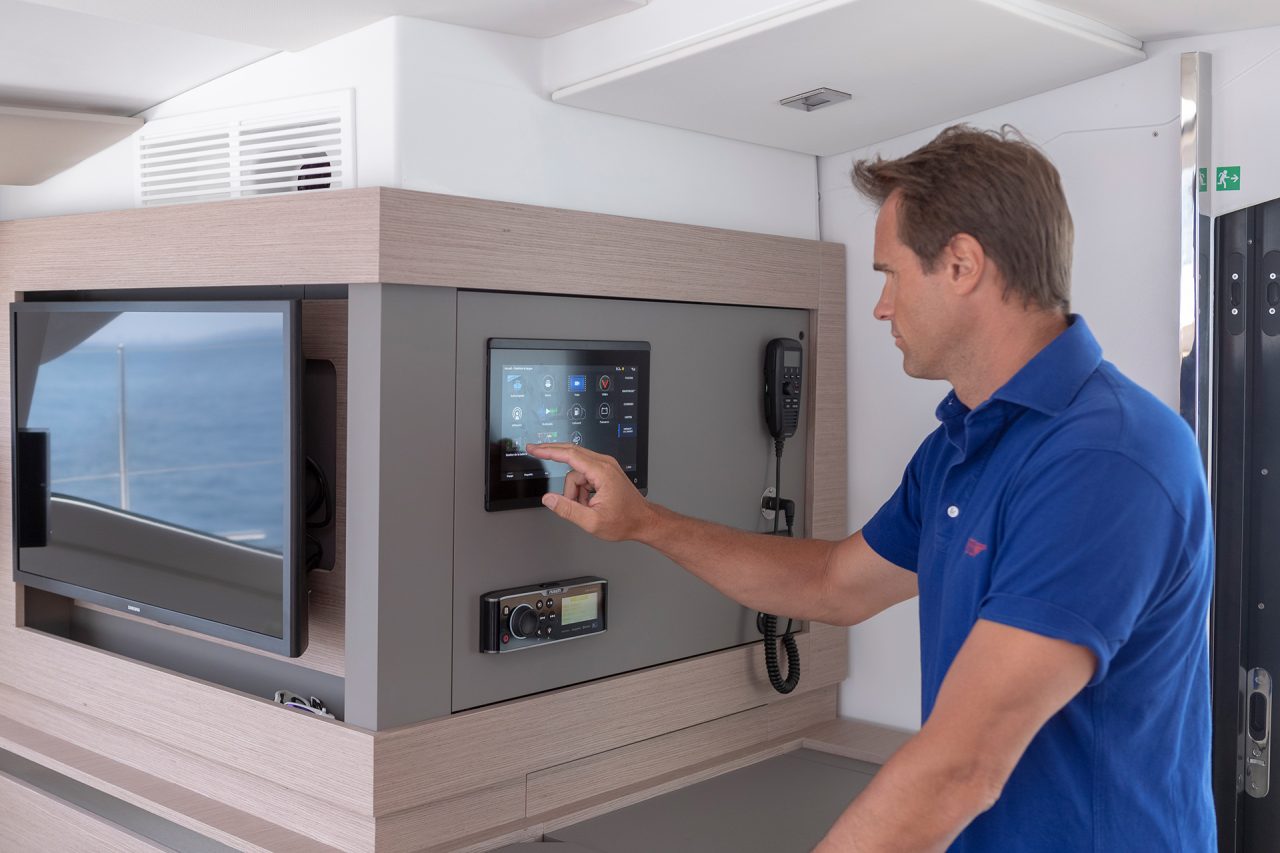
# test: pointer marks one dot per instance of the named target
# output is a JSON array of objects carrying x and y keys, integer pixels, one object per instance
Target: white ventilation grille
[{"x": 288, "y": 146}]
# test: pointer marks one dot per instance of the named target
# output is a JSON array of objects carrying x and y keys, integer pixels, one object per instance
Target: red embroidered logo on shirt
[{"x": 973, "y": 548}]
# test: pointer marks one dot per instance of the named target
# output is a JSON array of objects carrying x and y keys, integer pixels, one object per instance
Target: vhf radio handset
[
  {"x": 783, "y": 360},
  {"x": 783, "y": 382}
]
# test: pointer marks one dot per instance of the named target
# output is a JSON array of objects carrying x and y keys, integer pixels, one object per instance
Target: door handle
[{"x": 1257, "y": 762}]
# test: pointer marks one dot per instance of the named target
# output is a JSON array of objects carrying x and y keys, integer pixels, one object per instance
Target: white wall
[
  {"x": 1115, "y": 141},
  {"x": 460, "y": 111},
  {"x": 475, "y": 121}
]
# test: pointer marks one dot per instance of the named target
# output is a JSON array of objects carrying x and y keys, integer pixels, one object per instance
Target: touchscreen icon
[
  {"x": 517, "y": 414},
  {"x": 578, "y": 384},
  {"x": 605, "y": 383},
  {"x": 605, "y": 411},
  {"x": 548, "y": 383},
  {"x": 576, "y": 437},
  {"x": 577, "y": 412}
]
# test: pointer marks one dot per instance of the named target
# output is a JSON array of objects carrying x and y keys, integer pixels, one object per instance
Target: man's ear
[{"x": 965, "y": 263}]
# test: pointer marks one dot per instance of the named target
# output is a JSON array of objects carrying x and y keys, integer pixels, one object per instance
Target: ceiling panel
[
  {"x": 54, "y": 58},
  {"x": 908, "y": 64},
  {"x": 1151, "y": 20},
  {"x": 298, "y": 24}
]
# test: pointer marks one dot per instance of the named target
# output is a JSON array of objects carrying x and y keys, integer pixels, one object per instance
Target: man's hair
[{"x": 992, "y": 185}]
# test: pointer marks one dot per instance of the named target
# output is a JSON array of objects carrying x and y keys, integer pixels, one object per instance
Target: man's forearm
[
  {"x": 775, "y": 574},
  {"x": 919, "y": 801}
]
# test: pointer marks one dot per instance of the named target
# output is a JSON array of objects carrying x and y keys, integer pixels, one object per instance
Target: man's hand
[{"x": 598, "y": 496}]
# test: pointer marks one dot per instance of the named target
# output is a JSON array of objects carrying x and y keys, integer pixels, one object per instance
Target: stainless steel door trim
[{"x": 1195, "y": 315}]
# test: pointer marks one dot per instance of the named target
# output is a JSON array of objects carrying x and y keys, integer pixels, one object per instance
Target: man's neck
[{"x": 1003, "y": 350}]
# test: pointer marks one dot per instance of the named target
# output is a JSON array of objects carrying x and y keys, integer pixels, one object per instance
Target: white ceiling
[
  {"x": 1151, "y": 20},
  {"x": 717, "y": 66},
  {"x": 123, "y": 56},
  {"x": 66, "y": 60},
  {"x": 900, "y": 59},
  {"x": 298, "y": 24}
]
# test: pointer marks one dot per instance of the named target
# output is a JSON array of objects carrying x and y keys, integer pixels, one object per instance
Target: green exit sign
[{"x": 1228, "y": 178}]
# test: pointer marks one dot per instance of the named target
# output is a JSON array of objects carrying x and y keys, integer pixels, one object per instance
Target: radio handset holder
[{"x": 783, "y": 383}]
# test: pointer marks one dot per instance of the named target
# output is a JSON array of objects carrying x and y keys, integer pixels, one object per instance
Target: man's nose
[{"x": 884, "y": 306}]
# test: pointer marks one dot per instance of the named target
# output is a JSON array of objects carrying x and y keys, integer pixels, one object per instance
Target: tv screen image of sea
[{"x": 176, "y": 417}]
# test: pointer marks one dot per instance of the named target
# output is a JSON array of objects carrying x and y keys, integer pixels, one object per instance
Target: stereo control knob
[
  {"x": 788, "y": 388},
  {"x": 523, "y": 621}
]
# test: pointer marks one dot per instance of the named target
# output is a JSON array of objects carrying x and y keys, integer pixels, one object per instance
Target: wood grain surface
[
  {"x": 31, "y": 820},
  {"x": 486, "y": 245}
]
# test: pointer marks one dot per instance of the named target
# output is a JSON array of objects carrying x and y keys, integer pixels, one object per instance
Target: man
[{"x": 1055, "y": 527}]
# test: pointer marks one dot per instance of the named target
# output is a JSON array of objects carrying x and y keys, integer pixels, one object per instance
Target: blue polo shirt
[{"x": 1072, "y": 504}]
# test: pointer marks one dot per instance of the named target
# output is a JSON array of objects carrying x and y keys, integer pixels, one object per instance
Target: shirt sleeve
[
  {"x": 1088, "y": 542},
  {"x": 894, "y": 531}
]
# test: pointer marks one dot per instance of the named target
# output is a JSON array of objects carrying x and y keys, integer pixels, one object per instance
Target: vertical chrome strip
[{"x": 1196, "y": 304}]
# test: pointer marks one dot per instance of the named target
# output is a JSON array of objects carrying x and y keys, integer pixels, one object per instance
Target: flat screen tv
[{"x": 158, "y": 462}]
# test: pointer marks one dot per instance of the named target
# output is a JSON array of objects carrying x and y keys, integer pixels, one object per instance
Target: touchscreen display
[{"x": 592, "y": 394}]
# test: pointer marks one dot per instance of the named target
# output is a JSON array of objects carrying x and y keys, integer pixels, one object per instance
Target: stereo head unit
[
  {"x": 591, "y": 393},
  {"x": 527, "y": 616}
]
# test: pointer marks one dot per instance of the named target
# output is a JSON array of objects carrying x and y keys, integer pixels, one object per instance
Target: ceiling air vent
[
  {"x": 277, "y": 147},
  {"x": 815, "y": 100}
]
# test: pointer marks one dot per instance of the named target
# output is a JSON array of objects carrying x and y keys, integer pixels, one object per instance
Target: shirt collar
[{"x": 1050, "y": 381}]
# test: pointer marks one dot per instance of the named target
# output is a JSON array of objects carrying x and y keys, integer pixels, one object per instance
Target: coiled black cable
[
  {"x": 770, "y": 631},
  {"x": 767, "y": 623}
]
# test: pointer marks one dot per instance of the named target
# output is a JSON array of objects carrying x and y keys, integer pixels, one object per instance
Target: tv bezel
[{"x": 294, "y": 583}]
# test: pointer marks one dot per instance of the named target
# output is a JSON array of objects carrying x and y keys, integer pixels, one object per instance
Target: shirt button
[{"x": 953, "y": 511}]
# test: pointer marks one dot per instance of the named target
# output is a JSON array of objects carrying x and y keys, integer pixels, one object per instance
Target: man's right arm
[{"x": 839, "y": 583}]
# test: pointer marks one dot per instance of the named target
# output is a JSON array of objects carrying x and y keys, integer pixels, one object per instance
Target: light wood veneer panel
[
  {"x": 470, "y": 243},
  {"x": 851, "y": 738},
  {"x": 253, "y": 735},
  {"x": 32, "y": 820},
  {"x": 172, "y": 802},
  {"x": 308, "y": 238},
  {"x": 794, "y": 713},
  {"x": 597, "y": 775},
  {"x": 467, "y": 750},
  {"x": 857, "y": 739},
  {"x": 828, "y": 654},
  {"x": 443, "y": 823},
  {"x": 564, "y": 784},
  {"x": 230, "y": 802},
  {"x": 826, "y": 505}
]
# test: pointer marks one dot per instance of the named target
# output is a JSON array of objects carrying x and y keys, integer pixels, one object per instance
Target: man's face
[{"x": 913, "y": 302}]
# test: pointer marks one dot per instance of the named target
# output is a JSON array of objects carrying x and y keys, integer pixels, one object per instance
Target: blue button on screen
[{"x": 578, "y": 383}]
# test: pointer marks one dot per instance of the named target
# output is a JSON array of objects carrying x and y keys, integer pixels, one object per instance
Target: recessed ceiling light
[{"x": 816, "y": 99}]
